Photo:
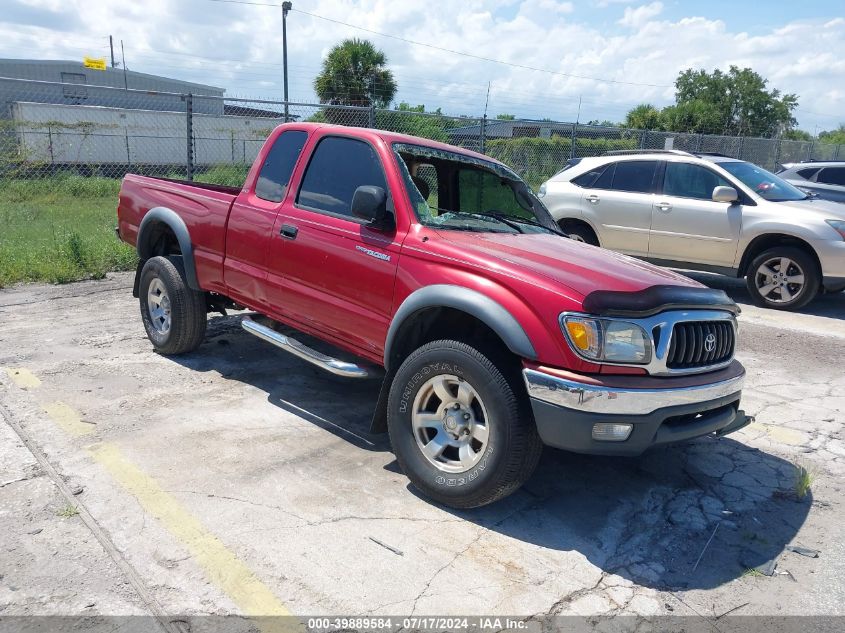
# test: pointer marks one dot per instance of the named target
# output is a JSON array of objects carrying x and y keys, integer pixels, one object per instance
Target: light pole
[{"x": 286, "y": 6}]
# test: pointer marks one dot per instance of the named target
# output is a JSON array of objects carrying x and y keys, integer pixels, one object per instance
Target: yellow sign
[{"x": 96, "y": 64}]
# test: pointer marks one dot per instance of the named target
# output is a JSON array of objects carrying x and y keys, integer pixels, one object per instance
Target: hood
[
  {"x": 823, "y": 209},
  {"x": 580, "y": 267}
]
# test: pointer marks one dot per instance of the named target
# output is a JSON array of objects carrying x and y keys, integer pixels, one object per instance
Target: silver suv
[
  {"x": 826, "y": 179},
  {"x": 705, "y": 212}
]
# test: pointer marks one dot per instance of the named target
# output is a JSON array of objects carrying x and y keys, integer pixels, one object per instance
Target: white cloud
[
  {"x": 639, "y": 16},
  {"x": 239, "y": 47},
  {"x": 555, "y": 7}
]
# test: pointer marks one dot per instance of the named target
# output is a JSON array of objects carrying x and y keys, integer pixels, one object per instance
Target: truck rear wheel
[
  {"x": 174, "y": 314},
  {"x": 461, "y": 432}
]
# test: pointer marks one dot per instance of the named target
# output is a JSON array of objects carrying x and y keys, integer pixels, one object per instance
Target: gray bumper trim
[{"x": 610, "y": 400}]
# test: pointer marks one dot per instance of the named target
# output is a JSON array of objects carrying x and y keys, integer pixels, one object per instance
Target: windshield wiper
[
  {"x": 501, "y": 217},
  {"x": 536, "y": 223}
]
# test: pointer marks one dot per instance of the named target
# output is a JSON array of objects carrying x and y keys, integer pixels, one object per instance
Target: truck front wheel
[
  {"x": 461, "y": 431},
  {"x": 174, "y": 314}
]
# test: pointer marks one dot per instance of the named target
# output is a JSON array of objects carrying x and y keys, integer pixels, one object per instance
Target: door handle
[
  {"x": 289, "y": 231},
  {"x": 664, "y": 206},
  {"x": 593, "y": 199}
]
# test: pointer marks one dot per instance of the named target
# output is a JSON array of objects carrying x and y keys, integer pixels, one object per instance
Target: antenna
[
  {"x": 123, "y": 57},
  {"x": 487, "y": 100}
]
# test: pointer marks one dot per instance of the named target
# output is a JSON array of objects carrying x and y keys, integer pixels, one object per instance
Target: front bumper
[
  {"x": 567, "y": 407},
  {"x": 831, "y": 255}
]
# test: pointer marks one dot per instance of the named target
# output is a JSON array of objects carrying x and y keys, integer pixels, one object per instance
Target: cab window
[
  {"x": 337, "y": 168},
  {"x": 275, "y": 173}
]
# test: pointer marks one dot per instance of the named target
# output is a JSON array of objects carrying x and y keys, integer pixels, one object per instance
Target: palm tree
[{"x": 355, "y": 73}]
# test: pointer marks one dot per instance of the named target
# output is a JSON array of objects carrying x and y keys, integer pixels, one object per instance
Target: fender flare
[
  {"x": 482, "y": 307},
  {"x": 171, "y": 219}
]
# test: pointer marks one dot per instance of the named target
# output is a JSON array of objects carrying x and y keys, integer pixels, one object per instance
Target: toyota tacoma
[{"x": 437, "y": 270}]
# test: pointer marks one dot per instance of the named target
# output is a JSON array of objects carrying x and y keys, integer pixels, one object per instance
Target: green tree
[
  {"x": 506, "y": 117},
  {"x": 414, "y": 120},
  {"x": 696, "y": 116},
  {"x": 738, "y": 100},
  {"x": 836, "y": 137},
  {"x": 644, "y": 117},
  {"x": 797, "y": 135},
  {"x": 355, "y": 73}
]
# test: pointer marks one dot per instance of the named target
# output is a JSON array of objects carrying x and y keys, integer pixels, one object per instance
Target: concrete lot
[{"x": 239, "y": 480}]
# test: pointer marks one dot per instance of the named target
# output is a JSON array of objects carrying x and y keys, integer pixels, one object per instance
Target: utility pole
[
  {"x": 111, "y": 48},
  {"x": 123, "y": 57},
  {"x": 286, "y": 6}
]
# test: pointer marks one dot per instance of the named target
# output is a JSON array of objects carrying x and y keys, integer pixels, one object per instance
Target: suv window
[
  {"x": 832, "y": 176},
  {"x": 605, "y": 181},
  {"x": 807, "y": 173},
  {"x": 588, "y": 178},
  {"x": 483, "y": 191},
  {"x": 634, "y": 175},
  {"x": 275, "y": 173},
  {"x": 337, "y": 168},
  {"x": 686, "y": 180}
]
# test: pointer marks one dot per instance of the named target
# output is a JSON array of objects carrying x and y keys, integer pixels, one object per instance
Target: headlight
[
  {"x": 838, "y": 226},
  {"x": 607, "y": 341},
  {"x": 541, "y": 192}
]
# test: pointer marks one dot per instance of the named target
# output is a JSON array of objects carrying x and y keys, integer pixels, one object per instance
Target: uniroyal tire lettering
[
  {"x": 469, "y": 477},
  {"x": 423, "y": 374}
]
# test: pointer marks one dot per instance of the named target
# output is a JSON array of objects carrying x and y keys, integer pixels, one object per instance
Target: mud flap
[
  {"x": 740, "y": 421},
  {"x": 379, "y": 421}
]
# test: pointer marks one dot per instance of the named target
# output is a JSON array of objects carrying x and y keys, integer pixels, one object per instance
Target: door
[
  {"x": 687, "y": 226},
  {"x": 619, "y": 203},
  {"x": 249, "y": 229},
  {"x": 328, "y": 270}
]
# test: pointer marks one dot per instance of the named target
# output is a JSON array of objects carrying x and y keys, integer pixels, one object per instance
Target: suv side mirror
[
  {"x": 725, "y": 194},
  {"x": 370, "y": 203}
]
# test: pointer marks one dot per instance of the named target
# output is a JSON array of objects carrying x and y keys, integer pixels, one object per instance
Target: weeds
[
  {"x": 752, "y": 573},
  {"x": 803, "y": 481},
  {"x": 68, "y": 511}
]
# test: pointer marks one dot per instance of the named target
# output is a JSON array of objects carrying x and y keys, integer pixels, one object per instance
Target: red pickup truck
[{"x": 438, "y": 270}]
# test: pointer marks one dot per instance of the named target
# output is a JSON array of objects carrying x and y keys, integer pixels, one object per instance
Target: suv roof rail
[
  {"x": 623, "y": 152},
  {"x": 719, "y": 154}
]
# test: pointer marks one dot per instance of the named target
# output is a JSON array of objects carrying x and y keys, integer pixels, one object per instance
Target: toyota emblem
[{"x": 710, "y": 342}]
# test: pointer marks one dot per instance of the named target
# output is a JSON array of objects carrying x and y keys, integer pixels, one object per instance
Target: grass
[
  {"x": 60, "y": 229},
  {"x": 68, "y": 511}
]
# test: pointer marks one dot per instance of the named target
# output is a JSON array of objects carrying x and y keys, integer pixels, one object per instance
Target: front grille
[{"x": 692, "y": 342}]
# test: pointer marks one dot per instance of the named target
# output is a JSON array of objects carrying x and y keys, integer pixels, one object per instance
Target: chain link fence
[{"x": 63, "y": 130}]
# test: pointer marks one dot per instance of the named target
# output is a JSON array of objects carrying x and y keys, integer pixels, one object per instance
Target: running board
[{"x": 332, "y": 365}]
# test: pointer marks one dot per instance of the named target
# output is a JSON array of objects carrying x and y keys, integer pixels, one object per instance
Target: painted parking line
[
  {"x": 68, "y": 419},
  {"x": 22, "y": 377},
  {"x": 221, "y": 565}
]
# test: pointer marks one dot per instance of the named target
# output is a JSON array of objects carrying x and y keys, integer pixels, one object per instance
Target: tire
[
  {"x": 770, "y": 286},
  {"x": 164, "y": 294},
  {"x": 579, "y": 233},
  {"x": 497, "y": 461}
]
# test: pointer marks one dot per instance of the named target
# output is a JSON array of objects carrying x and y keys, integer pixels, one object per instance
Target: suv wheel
[
  {"x": 784, "y": 278},
  {"x": 579, "y": 233},
  {"x": 174, "y": 314},
  {"x": 459, "y": 429}
]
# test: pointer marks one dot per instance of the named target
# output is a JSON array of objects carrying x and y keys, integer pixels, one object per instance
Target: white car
[{"x": 705, "y": 212}]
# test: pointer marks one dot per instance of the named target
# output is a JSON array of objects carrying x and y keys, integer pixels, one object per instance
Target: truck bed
[{"x": 203, "y": 207}]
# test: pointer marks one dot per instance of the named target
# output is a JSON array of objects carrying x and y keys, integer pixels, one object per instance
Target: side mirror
[
  {"x": 370, "y": 203},
  {"x": 725, "y": 194}
]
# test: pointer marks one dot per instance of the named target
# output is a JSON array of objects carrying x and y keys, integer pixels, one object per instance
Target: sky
[{"x": 608, "y": 54}]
